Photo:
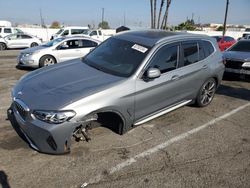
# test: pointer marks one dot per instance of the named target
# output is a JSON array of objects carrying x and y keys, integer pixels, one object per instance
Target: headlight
[
  {"x": 27, "y": 54},
  {"x": 246, "y": 64},
  {"x": 54, "y": 117}
]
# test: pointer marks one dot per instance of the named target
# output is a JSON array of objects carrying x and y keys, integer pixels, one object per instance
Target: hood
[
  {"x": 235, "y": 55},
  {"x": 33, "y": 49},
  {"x": 56, "y": 86}
]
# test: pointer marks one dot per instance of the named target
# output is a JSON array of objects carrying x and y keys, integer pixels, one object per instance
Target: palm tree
[
  {"x": 165, "y": 18},
  {"x": 159, "y": 17},
  {"x": 154, "y": 23},
  {"x": 152, "y": 19}
]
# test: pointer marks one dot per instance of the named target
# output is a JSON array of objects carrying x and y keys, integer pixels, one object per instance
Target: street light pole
[{"x": 225, "y": 19}]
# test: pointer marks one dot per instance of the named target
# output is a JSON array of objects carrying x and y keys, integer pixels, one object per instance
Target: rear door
[
  {"x": 68, "y": 50},
  {"x": 85, "y": 46}
]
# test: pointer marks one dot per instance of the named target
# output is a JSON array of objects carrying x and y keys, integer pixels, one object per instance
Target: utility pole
[{"x": 225, "y": 20}]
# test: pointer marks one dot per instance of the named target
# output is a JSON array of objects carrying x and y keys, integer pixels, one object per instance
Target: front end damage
[{"x": 48, "y": 138}]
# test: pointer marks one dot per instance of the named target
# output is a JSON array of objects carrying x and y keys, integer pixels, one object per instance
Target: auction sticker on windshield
[{"x": 139, "y": 48}]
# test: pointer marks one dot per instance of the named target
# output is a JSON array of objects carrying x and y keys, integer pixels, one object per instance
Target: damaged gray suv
[{"x": 128, "y": 80}]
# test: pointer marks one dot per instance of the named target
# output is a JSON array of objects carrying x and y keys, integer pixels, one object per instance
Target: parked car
[
  {"x": 238, "y": 59},
  {"x": 98, "y": 35},
  {"x": 19, "y": 40},
  {"x": 69, "y": 31},
  {"x": 126, "y": 81},
  {"x": 225, "y": 42},
  {"x": 4, "y": 31},
  {"x": 55, "y": 51}
]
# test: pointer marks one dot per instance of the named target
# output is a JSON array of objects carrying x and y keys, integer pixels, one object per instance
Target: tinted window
[
  {"x": 191, "y": 54},
  {"x": 7, "y": 30},
  {"x": 93, "y": 33},
  {"x": 66, "y": 32},
  {"x": 166, "y": 59},
  {"x": 26, "y": 37},
  {"x": 202, "y": 54},
  {"x": 208, "y": 47},
  {"x": 242, "y": 46},
  {"x": 72, "y": 44},
  {"x": 117, "y": 57},
  {"x": 87, "y": 44},
  {"x": 77, "y": 31}
]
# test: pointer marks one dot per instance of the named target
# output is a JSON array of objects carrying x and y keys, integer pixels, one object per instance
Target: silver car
[
  {"x": 128, "y": 80},
  {"x": 55, "y": 51}
]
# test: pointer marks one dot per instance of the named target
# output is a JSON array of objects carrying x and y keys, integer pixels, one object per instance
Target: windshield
[
  {"x": 53, "y": 42},
  {"x": 58, "y": 32},
  {"x": 242, "y": 46},
  {"x": 117, "y": 57}
]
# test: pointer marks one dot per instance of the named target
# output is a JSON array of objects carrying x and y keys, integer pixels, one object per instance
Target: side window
[
  {"x": 209, "y": 49},
  {"x": 87, "y": 44},
  {"x": 190, "y": 52},
  {"x": 25, "y": 37},
  {"x": 93, "y": 33},
  {"x": 76, "y": 31},
  {"x": 0, "y": 30},
  {"x": 66, "y": 32},
  {"x": 202, "y": 54},
  {"x": 7, "y": 30},
  {"x": 72, "y": 44},
  {"x": 99, "y": 32},
  {"x": 166, "y": 59}
]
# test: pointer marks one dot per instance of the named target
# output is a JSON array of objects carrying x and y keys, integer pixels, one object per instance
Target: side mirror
[{"x": 153, "y": 73}]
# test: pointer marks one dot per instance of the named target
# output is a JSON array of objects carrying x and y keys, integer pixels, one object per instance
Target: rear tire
[
  {"x": 2, "y": 46},
  {"x": 33, "y": 44},
  {"x": 206, "y": 93},
  {"x": 47, "y": 60}
]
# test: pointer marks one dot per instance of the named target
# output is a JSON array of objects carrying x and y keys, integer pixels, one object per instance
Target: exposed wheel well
[{"x": 111, "y": 120}]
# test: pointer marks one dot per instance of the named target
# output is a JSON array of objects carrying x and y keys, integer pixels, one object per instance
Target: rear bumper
[{"x": 53, "y": 140}]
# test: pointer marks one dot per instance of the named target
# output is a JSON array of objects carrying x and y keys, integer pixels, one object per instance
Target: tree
[
  {"x": 55, "y": 25},
  {"x": 154, "y": 19},
  {"x": 187, "y": 25},
  {"x": 159, "y": 17},
  {"x": 152, "y": 13},
  {"x": 165, "y": 17},
  {"x": 220, "y": 28},
  {"x": 104, "y": 25}
]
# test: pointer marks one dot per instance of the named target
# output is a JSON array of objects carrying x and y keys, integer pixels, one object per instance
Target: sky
[{"x": 134, "y": 13}]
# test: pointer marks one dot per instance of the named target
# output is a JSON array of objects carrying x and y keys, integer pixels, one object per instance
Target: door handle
[
  {"x": 175, "y": 77},
  {"x": 204, "y": 66}
]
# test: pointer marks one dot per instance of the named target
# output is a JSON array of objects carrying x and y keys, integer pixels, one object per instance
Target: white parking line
[{"x": 163, "y": 145}]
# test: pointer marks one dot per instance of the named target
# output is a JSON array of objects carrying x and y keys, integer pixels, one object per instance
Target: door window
[
  {"x": 25, "y": 37},
  {"x": 93, "y": 33},
  {"x": 70, "y": 44},
  {"x": 190, "y": 52},
  {"x": 87, "y": 44},
  {"x": 7, "y": 30},
  {"x": 66, "y": 32},
  {"x": 166, "y": 59}
]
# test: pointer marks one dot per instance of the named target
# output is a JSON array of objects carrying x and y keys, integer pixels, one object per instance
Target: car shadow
[
  {"x": 4, "y": 183},
  {"x": 235, "y": 92},
  {"x": 25, "y": 68}
]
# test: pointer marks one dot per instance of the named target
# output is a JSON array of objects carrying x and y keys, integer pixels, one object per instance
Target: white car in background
[
  {"x": 70, "y": 31},
  {"x": 19, "y": 40},
  {"x": 55, "y": 51},
  {"x": 4, "y": 31}
]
